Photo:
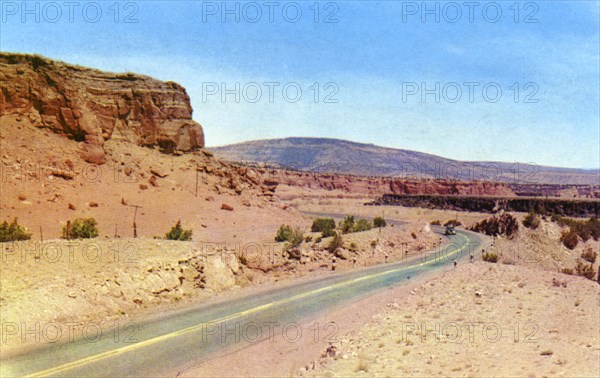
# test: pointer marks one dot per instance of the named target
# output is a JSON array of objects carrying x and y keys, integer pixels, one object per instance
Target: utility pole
[
  {"x": 134, "y": 219},
  {"x": 197, "y": 170}
]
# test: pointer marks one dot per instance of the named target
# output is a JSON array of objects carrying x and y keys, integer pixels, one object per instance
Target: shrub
[
  {"x": 585, "y": 270},
  {"x": 318, "y": 239},
  {"x": 414, "y": 236},
  {"x": 569, "y": 238},
  {"x": 453, "y": 223},
  {"x": 293, "y": 253},
  {"x": 38, "y": 61},
  {"x": 436, "y": 222},
  {"x": 379, "y": 222},
  {"x": 308, "y": 238},
  {"x": 584, "y": 229},
  {"x": 13, "y": 232},
  {"x": 336, "y": 243},
  {"x": 589, "y": 255},
  {"x": 178, "y": 233},
  {"x": 506, "y": 225},
  {"x": 328, "y": 233},
  {"x": 81, "y": 228},
  {"x": 296, "y": 237},
  {"x": 322, "y": 224},
  {"x": 568, "y": 271},
  {"x": 362, "y": 225},
  {"x": 283, "y": 233},
  {"x": 347, "y": 224},
  {"x": 531, "y": 221},
  {"x": 490, "y": 257}
]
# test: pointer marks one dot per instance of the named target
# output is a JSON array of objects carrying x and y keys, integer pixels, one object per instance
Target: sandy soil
[{"x": 480, "y": 319}]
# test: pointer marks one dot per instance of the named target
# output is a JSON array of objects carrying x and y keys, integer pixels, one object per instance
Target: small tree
[
  {"x": 81, "y": 228},
  {"x": 379, "y": 222},
  {"x": 13, "y": 232},
  {"x": 178, "y": 233}
]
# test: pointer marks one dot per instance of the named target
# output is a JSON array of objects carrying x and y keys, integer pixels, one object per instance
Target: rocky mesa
[{"x": 92, "y": 106}]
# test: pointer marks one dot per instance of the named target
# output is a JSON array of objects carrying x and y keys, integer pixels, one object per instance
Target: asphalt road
[{"x": 156, "y": 347}]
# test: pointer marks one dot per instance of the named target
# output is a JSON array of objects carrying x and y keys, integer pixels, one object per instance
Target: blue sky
[{"x": 375, "y": 61}]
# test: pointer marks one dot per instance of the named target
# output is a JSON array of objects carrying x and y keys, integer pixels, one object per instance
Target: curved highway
[{"x": 159, "y": 346}]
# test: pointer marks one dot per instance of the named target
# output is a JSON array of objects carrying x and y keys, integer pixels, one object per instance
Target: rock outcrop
[
  {"x": 92, "y": 106},
  {"x": 378, "y": 185}
]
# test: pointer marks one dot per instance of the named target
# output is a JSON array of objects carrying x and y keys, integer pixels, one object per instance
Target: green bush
[
  {"x": 322, "y": 224},
  {"x": 490, "y": 257},
  {"x": 328, "y": 233},
  {"x": 336, "y": 243},
  {"x": 284, "y": 233},
  {"x": 569, "y": 238},
  {"x": 296, "y": 237},
  {"x": 532, "y": 221},
  {"x": 81, "y": 228},
  {"x": 347, "y": 224},
  {"x": 362, "y": 225},
  {"x": 13, "y": 232},
  {"x": 379, "y": 222},
  {"x": 178, "y": 233}
]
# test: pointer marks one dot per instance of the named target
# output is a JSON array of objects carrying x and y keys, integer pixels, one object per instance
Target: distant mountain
[{"x": 345, "y": 157}]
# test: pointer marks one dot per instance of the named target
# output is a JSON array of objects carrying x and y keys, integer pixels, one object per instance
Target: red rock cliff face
[
  {"x": 382, "y": 185},
  {"x": 92, "y": 106}
]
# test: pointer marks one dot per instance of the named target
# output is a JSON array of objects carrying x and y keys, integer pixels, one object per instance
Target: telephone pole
[{"x": 134, "y": 219}]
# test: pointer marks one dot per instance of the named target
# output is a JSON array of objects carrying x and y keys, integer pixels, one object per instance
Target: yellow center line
[{"x": 197, "y": 327}]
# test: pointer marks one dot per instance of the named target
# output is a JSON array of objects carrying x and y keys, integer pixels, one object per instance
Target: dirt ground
[{"x": 480, "y": 319}]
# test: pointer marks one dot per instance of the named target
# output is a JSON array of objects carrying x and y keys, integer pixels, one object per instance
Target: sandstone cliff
[
  {"x": 91, "y": 106},
  {"x": 380, "y": 185}
]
